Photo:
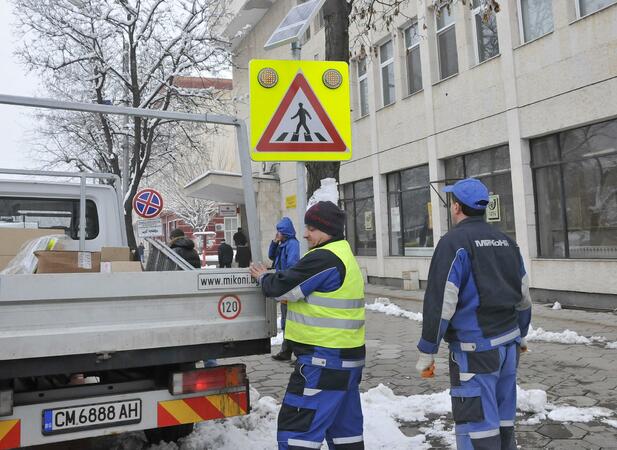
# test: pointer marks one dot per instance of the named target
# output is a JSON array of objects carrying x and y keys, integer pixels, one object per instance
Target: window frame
[
  {"x": 408, "y": 50},
  {"x": 560, "y": 165},
  {"x": 521, "y": 25},
  {"x": 415, "y": 251},
  {"x": 474, "y": 13},
  {"x": 343, "y": 201},
  {"x": 382, "y": 65},
  {"x": 577, "y": 5},
  {"x": 438, "y": 33},
  {"x": 361, "y": 78}
]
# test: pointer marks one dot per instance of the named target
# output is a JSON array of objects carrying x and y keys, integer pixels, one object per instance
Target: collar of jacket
[
  {"x": 472, "y": 219},
  {"x": 329, "y": 241}
]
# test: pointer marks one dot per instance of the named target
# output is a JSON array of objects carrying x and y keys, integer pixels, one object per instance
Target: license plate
[{"x": 85, "y": 417}]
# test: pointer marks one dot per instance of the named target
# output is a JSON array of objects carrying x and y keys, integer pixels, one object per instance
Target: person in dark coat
[
  {"x": 239, "y": 238},
  {"x": 243, "y": 255},
  {"x": 184, "y": 247},
  {"x": 284, "y": 252},
  {"x": 226, "y": 254}
]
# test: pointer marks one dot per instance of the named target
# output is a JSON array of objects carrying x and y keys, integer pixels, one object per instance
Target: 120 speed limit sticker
[{"x": 229, "y": 307}]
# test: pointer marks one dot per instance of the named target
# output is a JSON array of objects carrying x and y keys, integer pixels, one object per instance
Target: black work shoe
[{"x": 280, "y": 356}]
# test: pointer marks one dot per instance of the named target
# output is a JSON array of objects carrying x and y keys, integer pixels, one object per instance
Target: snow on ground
[
  {"x": 384, "y": 305},
  {"x": 384, "y": 413},
  {"x": 561, "y": 337}
]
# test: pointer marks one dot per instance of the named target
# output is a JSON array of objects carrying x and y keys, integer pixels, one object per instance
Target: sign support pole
[{"x": 296, "y": 50}]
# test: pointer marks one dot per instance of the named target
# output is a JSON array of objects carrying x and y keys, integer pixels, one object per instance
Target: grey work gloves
[{"x": 426, "y": 365}]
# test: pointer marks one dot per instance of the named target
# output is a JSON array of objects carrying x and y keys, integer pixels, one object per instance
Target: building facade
[{"x": 526, "y": 101}]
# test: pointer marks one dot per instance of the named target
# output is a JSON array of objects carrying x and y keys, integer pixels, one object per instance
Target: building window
[
  {"x": 536, "y": 18},
  {"x": 414, "y": 67},
  {"x": 320, "y": 20},
  {"x": 362, "y": 87},
  {"x": 446, "y": 43},
  {"x": 386, "y": 64},
  {"x": 492, "y": 167},
  {"x": 586, "y": 7},
  {"x": 231, "y": 225},
  {"x": 575, "y": 180},
  {"x": 357, "y": 201},
  {"x": 409, "y": 211},
  {"x": 487, "y": 42}
]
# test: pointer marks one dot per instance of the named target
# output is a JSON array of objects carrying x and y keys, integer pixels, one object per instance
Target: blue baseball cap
[{"x": 471, "y": 192}]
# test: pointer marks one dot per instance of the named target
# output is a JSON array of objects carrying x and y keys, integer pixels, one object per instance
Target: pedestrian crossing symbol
[{"x": 299, "y": 111}]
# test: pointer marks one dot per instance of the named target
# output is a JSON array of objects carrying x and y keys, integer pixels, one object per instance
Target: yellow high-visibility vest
[{"x": 331, "y": 319}]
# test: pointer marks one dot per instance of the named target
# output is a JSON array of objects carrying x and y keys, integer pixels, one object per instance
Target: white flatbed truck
[{"x": 138, "y": 335}]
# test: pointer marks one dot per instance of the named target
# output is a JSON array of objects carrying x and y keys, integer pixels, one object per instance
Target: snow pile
[
  {"x": 535, "y": 401},
  {"x": 278, "y": 339},
  {"x": 612, "y": 345},
  {"x": 556, "y": 305},
  {"x": 561, "y": 337},
  {"x": 383, "y": 305},
  {"x": 384, "y": 413}
]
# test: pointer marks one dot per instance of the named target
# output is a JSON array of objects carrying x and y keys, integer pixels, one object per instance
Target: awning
[{"x": 220, "y": 186}]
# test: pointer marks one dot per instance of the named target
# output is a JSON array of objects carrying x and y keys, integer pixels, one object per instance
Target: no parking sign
[{"x": 148, "y": 203}]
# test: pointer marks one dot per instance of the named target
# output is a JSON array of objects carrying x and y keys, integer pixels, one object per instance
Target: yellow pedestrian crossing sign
[{"x": 299, "y": 110}]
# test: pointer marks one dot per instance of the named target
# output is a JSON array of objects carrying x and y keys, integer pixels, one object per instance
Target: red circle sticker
[{"x": 229, "y": 307}]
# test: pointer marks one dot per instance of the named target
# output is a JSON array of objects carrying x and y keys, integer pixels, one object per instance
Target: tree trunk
[
  {"x": 128, "y": 223},
  {"x": 336, "y": 14}
]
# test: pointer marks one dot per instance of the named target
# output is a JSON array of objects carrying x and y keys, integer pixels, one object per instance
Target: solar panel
[{"x": 294, "y": 24}]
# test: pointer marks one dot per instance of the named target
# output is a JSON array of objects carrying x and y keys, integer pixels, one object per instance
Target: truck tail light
[{"x": 208, "y": 379}]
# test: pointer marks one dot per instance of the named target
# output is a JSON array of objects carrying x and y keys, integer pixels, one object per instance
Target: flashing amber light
[
  {"x": 267, "y": 77},
  {"x": 332, "y": 78}
]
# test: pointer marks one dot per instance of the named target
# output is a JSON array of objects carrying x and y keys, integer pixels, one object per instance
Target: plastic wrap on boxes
[{"x": 26, "y": 261}]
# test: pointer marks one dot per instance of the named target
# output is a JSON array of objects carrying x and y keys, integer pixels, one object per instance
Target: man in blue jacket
[
  {"x": 284, "y": 252},
  {"x": 477, "y": 299}
]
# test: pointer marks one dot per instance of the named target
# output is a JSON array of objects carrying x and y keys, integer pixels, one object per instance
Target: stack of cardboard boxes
[{"x": 109, "y": 259}]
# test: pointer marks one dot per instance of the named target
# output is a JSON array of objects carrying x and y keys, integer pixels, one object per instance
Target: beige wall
[{"x": 561, "y": 80}]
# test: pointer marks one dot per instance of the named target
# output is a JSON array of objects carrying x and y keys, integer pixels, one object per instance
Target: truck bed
[{"x": 57, "y": 323}]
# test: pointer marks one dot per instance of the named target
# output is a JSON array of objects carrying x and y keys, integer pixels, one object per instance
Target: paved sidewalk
[{"x": 572, "y": 374}]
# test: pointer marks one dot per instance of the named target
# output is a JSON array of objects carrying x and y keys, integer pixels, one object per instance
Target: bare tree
[
  {"x": 212, "y": 150},
  {"x": 119, "y": 52}
]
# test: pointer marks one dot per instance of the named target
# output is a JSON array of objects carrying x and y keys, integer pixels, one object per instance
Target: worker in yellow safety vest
[{"x": 325, "y": 325}]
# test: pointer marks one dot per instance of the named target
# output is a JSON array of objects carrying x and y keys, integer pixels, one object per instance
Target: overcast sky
[{"x": 15, "y": 122}]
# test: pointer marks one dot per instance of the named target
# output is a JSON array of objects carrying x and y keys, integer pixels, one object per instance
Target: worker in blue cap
[{"x": 477, "y": 299}]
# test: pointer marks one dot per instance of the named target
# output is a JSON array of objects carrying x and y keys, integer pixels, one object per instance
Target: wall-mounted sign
[{"x": 493, "y": 209}]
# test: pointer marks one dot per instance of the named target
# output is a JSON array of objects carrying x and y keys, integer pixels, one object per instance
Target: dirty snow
[
  {"x": 384, "y": 414},
  {"x": 383, "y": 305},
  {"x": 561, "y": 337}
]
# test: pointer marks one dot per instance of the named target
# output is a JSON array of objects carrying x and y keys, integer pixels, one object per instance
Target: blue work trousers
[
  {"x": 483, "y": 391},
  {"x": 321, "y": 402}
]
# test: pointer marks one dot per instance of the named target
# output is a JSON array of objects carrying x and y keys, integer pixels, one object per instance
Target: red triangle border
[{"x": 264, "y": 144}]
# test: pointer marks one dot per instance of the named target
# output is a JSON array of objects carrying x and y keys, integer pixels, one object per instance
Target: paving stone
[
  {"x": 561, "y": 431},
  {"x": 574, "y": 444},
  {"x": 527, "y": 439},
  {"x": 604, "y": 439},
  {"x": 578, "y": 400}
]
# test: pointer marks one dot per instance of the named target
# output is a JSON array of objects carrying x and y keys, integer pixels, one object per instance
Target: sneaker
[{"x": 280, "y": 356}]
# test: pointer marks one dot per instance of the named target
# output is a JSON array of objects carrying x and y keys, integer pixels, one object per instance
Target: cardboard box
[
  {"x": 11, "y": 239},
  {"x": 4, "y": 261},
  {"x": 115, "y": 254},
  {"x": 55, "y": 261},
  {"x": 120, "y": 266}
]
